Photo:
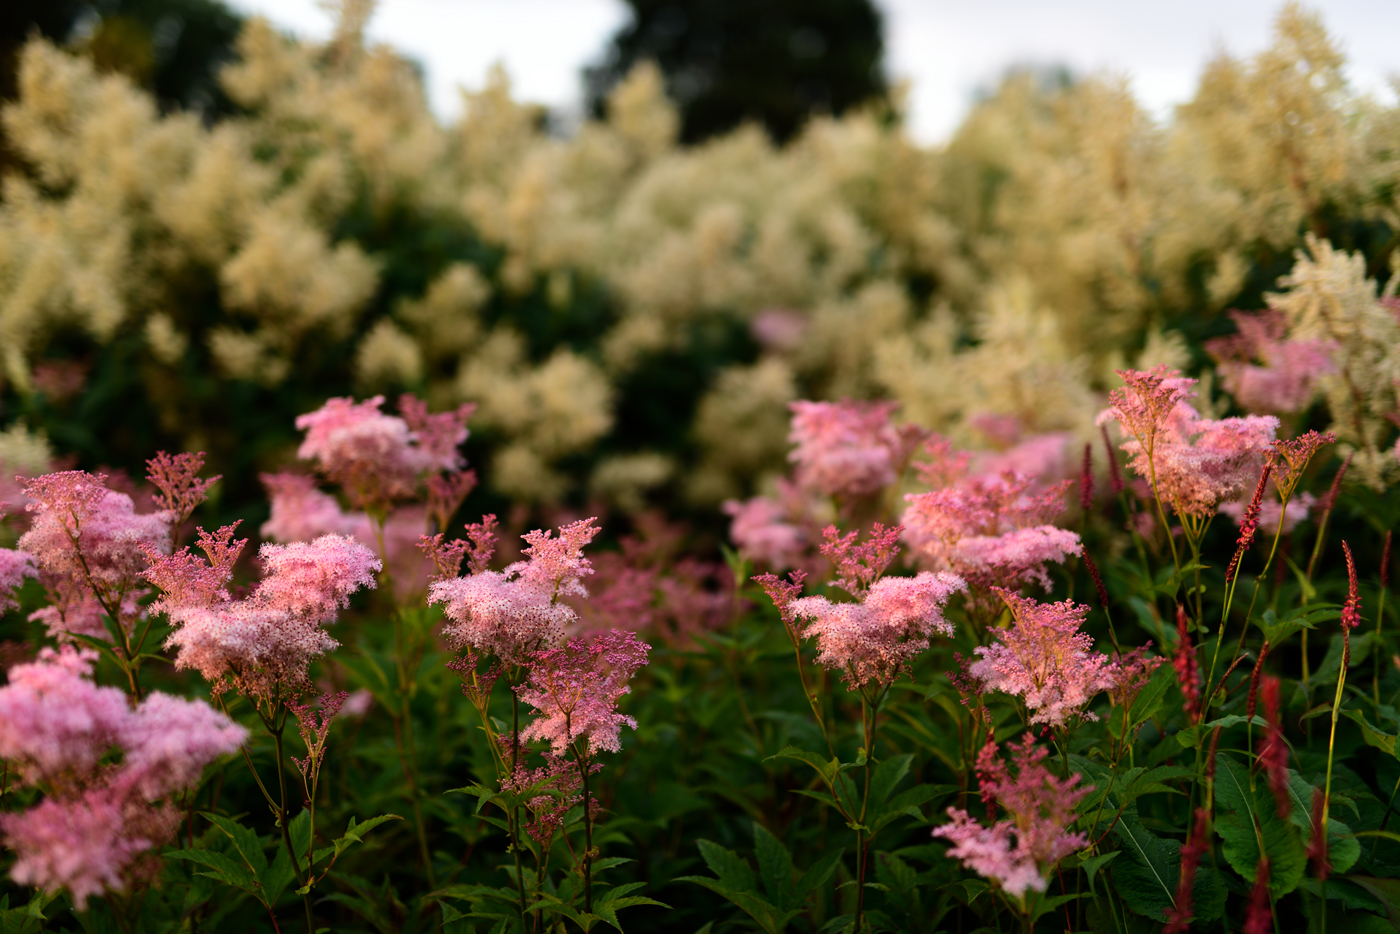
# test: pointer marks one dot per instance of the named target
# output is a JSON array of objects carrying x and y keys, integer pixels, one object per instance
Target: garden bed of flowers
[{"x": 416, "y": 528}]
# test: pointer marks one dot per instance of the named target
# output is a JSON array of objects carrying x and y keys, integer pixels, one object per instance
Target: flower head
[
  {"x": 519, "y": 611},
  {"x": 1351, "y": 610},
  {"x": 380, "y": 459},
  {"x": 181, "y": 487},
  {"x": 1265, "y": 371},
  {"x": 1044, "y": 659},
  {"x": 265, "y": 642},
  {"x": 875, "y": 638},
  {"x": 15, "y": 566},
  {"x": 846, "y": 449},
  {"x": 1188, "y": 670},
  {"x": 575, "y": 689},
  {"x": 1018, "y": 852},
  {"x": 761, "y": 529}
]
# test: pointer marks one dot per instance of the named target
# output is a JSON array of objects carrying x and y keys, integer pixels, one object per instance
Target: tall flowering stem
[
  {"x": 1351, "y": 618},
  {"x": 1377, "y": 652},
  {"x": 574, "y": 690},
  {"x": 869, "y": 641}
]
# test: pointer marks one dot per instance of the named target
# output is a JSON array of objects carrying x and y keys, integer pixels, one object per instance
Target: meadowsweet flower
[
  {"x": 575, "y": 688},
  {"x": 58, "y": 727},
  {"x": 860, "y": 565},
  {"x": 516, "y": 612},
  {"x": 990, "y": 530},
  {"x": 315, "y": 727},
  {"x": 380, "y": 459},
  {"x": 264, "y": 643},
  {"x": 167, "y": 741},
  {"x": 15, "y": 566},
  {"x": 90, "y": 546},
  {"x": 1129, "y": 674},
  {"x": 181, "y": 487},
  {"x": 1019, "y": 852},
  {"x": 1194, "y": 463},
  {"x": 86, "y": 844},
  {"x": 846, "y": 449},
  {"x": 763, "y": 533},
  {"x": 558, "y": 782},
  {"x": 54, "y": 720},
  {"x": 1291, "y": 459},
  {"x": 1265, "y": 371},
  {"x": 300, "y": 512},
  {"x": 1045, "y": 660},
  {"x": 875, "y": 638}
]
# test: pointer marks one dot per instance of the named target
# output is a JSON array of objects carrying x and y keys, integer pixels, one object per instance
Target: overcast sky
[{"x": 948, "y": 48}]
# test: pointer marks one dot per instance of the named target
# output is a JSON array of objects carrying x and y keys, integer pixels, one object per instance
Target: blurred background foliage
[{"x": 208, "y": 227}]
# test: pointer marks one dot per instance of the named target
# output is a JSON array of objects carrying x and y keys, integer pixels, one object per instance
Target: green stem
[{"x": 284, "y": 816}]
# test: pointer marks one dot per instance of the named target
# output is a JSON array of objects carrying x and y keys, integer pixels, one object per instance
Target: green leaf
[
  {"x": 767, "y": 916},
  {"x": 775, "y": 868},
  {"x": 1246, "y": 817},
  {"x": 1146, "y": 876},
  {"x": 355, "y": 833},
  {"x": 1091, "y": 865},
  {"x": 818, "y": 873},
  {"x": 225, "y": 868},
  {"x": 907, "y": 802},
  {"x": 730, "y": 867},
  {"x": 1343, "y": 849},
  {"x": 1150, "y": 698},
  {"x": 1276, "y": 629},
  {"x": 1372, "y": 735},
  {"x": 1149, "y": 870},
  {"x": 888, "y": 774}
]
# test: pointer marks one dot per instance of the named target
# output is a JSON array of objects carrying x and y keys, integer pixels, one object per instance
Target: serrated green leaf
[
  {"x": 774, "y": 868},
  {"x": 818, "y": 873},
  {"x": 1092, "y": 864},
  {"x": 733, "y": 872},
  {"x": 887, "y": 776}
]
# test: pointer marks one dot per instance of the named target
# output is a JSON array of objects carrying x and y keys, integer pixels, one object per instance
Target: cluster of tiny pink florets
[
  {"x": 1195, "y": 463},
  {"x": 263, "y": 644},
  {"x": 846, "y": 449},
  {"x": 1019, "y": 851},
  {"x": 575, "y": 688},
  {"x": 991, "y": 531},
  {"x": 57, "y": 727},
  {"x": 513, "y": 613},
  {"x": 875, "y": 637},
  {"x": 1046, "y": 660},
  {"x": 1265, "y": 371}
]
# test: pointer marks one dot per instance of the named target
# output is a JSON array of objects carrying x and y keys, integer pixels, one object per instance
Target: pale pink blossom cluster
[
  {"x": 89, "y": 545},
  {"x": 516, "y": 612},
  {"x": 57, "y": 727},
  {"x": 849, "y": 449},
  {"x": 1195, "y": 463},
  {"x": 379, "y": 459},
  {"x": 263, "y": 644},
  {"x": 1018, "y": 852},
  {"x": 301, "y": 512},
  {"x": 575, "y": 688},
  {"x": 1045, "y": 660},
  {"x": 991, "y": 531},
  {"x": 874, "y": 638},
  {"x": 1265, "y": 371},
  {"x": 15, "y": 566},
  {"x": 763, "y": 530}
]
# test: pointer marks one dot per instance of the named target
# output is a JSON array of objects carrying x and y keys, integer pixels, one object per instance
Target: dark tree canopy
[{"x": 775, "y": 62}]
